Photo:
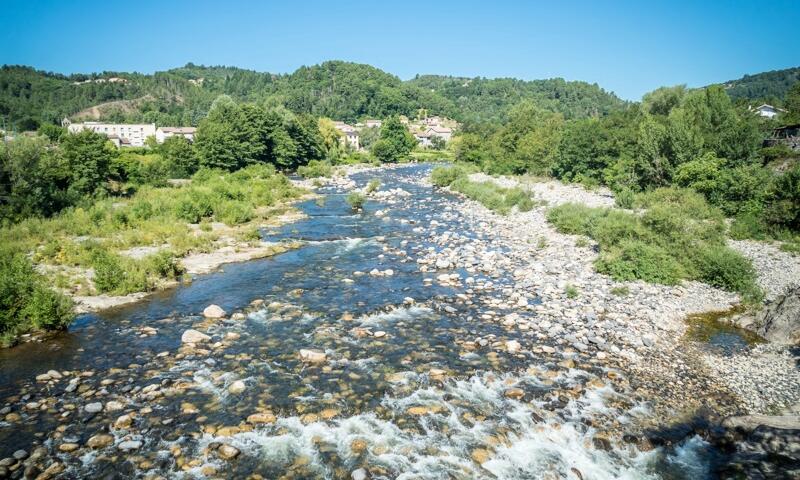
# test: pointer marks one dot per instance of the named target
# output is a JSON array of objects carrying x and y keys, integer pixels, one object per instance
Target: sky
[{"x": 628, "y": 47}]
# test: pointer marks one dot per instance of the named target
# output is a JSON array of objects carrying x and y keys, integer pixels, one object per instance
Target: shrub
[
  {"x": 373, "y": 186},
  {"x": 116, "y": 274},
  {"x": 636, "y": 260},
  {"x": 571, "y": 292},
  {"x": 234, "y": 212},
  {"x": 26, "y": 303},
  {"x": 724, "y": 268},
  {"x": 625, "y": 198},
  {"x": 356, "y": 200},
  {"x": 315, "y": 169},
  {"x": 445, "y": 176}
]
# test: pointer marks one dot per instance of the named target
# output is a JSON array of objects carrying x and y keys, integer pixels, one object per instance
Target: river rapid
[{"x": 418, "y": 381}]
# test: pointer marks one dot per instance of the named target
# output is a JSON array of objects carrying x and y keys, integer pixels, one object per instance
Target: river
[{"x": 416, "y": 383}]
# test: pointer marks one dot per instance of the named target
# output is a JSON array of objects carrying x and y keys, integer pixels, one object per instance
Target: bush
[
  {"x": 356, "y": 200},
  {"x": 315, "y": 169},
  {"x": 116, "y": 274},
  {"x": 373, "y": 186},
  {"x": 445, "y": 176},
  {"x": 490, "y": 195},
  {"x": 657, "y": 246},
  {"x": 636, "y": 260},
  {"x": 26, "y": 303},
  {"x": 721, "y": 267},
  {"x": 625, "y": 198}
]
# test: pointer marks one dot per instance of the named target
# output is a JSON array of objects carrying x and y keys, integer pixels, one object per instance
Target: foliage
[
  {"x": 679, "y": 236},
  {"x": 88, "y": 156},
  {"x": 234, "y": 136},
  {"x": 373, "y": 186},
  {"x": 395, "y": 142},
  {"x": 499, "y": 199},
  {"x": 356, "y": 200},
  {"x": 179, "y": 156},
  {"x": 444, "y": 176},
  {"x": 315, "y": 169},
  {"x": 26, "y": 302}
]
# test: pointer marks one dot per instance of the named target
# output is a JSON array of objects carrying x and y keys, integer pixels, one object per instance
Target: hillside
[
  {"x": 769, "y": 86},
  {"x": 336, "y": 89},
  {"x": 490, "y": 99}
]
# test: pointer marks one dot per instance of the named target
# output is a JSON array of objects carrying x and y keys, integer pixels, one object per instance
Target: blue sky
[{"x": 629, "y": 47}]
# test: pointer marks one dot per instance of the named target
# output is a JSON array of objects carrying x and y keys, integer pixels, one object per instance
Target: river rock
[
  {"x": 237, "y": 387},
  {"x": 193, "y": 336},
  {"x": 312, "y": 356},
  {"x": 228, "y": 452},
  {"x": 360, "y": 474},
  {"x": 213, "y": 311},
  {"x": 130, "y": 445},
  {"x": 100, "y": 440},
  {"x": 261, "y": 418},
  {"x": 94, "y": 407}
]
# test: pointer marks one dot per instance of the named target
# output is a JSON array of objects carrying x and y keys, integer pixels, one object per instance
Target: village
[{"x": 430, "y": 132}]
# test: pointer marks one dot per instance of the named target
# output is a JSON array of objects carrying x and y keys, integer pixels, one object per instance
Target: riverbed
[{"x": 430, "y": 358}]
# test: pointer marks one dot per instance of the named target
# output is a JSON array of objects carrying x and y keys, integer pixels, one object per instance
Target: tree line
[{"x": 697, "y": 139}]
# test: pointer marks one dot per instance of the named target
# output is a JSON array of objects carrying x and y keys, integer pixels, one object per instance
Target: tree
[
  {"x": 792, "y": 104},
  {"x": 662, "y": 100},
  {"x": 331, "y": 138},
  {"x": 529, "y": 141},
  {"x": 653, "y": 168},
  {"x": 395, "y": 142},
  {"x": 33, "y": 179},
  {"x": 179, "y": 155},
  {"x": 52, "y": 132},
  {"x": 89, "y": 156}
]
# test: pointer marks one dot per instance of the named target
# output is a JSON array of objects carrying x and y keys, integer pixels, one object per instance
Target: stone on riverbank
[{"x": 312, "y": 356}]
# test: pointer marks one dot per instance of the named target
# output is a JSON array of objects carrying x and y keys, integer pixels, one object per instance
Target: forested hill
[
  {"x": 336, "y": 89},
  {"x": 768, "y": 86},
  {"x": 489, "y": 99}
]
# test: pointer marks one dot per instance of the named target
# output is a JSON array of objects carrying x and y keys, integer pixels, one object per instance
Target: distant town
[{"x": 429, "y": 132}]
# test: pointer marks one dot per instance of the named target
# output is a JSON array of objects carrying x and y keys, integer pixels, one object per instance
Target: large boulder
[{"x": 779, "y": 322}]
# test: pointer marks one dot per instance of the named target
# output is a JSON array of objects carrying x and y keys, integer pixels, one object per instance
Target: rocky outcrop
[
  {"x": 760, "y": 447},
  {"x": 779, "y": 322}
]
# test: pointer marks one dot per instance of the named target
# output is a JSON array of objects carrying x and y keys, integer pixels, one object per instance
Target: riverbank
[
  {"x": 422, "y": 336},
  {"x": 639, "y": 323}
]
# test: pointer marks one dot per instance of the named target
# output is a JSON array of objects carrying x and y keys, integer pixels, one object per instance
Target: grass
[
  {"x": 373, "y": 186},
  {"x": 622, "y": 291},
  {"x": 679, "y": 236},
  {"x": 96, "y": 235},
  {"x": 571, "y": 291},
  {"x": 490, "y": 195}
]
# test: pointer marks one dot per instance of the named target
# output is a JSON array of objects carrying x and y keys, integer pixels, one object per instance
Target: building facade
[
  {"x": 133, "y": 135},
  {"x": 163, "y": 133}
]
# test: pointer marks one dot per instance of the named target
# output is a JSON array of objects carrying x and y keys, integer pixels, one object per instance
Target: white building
[
  {"x": 767, "y": 111},
  {"x": 372, "y": 123},
  {"x": 423, "y": 138},
  {"x": 350, "y": 137},
  {"x": 442, "y": 132},
  {"x": 133, "y": 135},
  {"x": 163, "y": 133}
]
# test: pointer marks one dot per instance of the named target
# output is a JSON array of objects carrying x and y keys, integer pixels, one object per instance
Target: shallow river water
[{"x": 400, "y": 394}]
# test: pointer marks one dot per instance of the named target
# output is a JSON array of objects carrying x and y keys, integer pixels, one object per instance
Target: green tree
[
  {"x": 395, "y": 142},
  {"x": 792, "y": 105},
  {"x": 89, "y": 156},
  {"x": 33, "y": 179},
  {"x": 179, "y": 155}
]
